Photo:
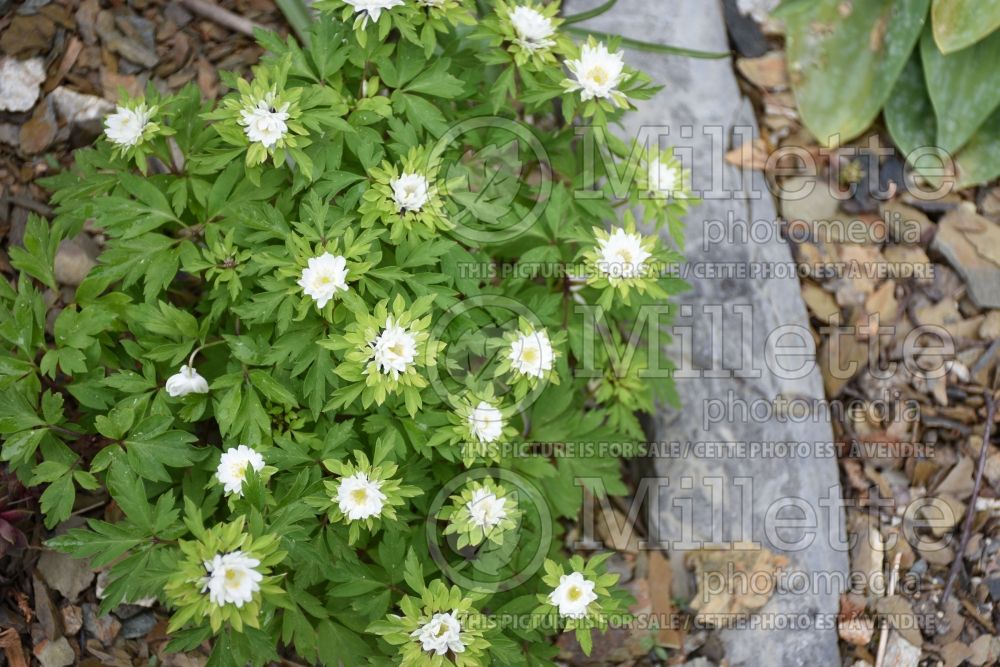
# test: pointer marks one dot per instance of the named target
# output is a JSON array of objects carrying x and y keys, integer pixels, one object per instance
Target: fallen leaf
[
  {"x": 11, "y": 644},
  {"x": 766, "y": 72},
  {"x": 820, "y": 302},
  {"x": 857, "y": 631},
  {"x": 751, "y": 155},
  {"x": 722, "y": 575},
  {"x": 661, "y": 577},
  {"x": 899, "y": 614}
]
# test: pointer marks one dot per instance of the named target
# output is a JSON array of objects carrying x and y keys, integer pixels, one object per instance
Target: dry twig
[
  {"x": 970, "y": 512},
  {"x": 883, "y": 638},
  {"x": 223, "y": 17}
]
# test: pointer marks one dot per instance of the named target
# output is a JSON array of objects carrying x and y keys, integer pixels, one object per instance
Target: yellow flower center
[
  {"x": 234, "y": 578},
  {"x": 359, "y": 495},
  {"x": 574, "y": 593},
  {"x": 529, "y": 354},
  {"x": 599, "y": 75}
]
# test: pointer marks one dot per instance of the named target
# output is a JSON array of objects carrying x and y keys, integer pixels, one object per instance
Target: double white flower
[
  {"x": 531, "y": 354},
  {"x": 534, "y": 30},
  {"x": 598, "y": 72},
  {"x": 485, "y": 509},
  {"x": 486, "y": 422},
  {"x": 264, "y": 123},
  {"x": 573, "y": 595},
  {"x": 441, "y": 634},
  {"x": 186, "y": 381},
  {"x": 232, "y": 579},
  {"x": 394, "y": 350},
  {"x": 410, "y": 192},
  {"x": 359, "y": 497},
  {"x": 125, "y": 126},
  {"x": 663, "y": 178},
  {"x": 233, "y": 466},
  {"x": 373, "y": 8},
  {"x": 622, "y": 255},
  {"x": 324, "y": 277}
]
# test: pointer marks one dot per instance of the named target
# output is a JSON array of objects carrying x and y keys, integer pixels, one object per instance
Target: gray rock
[
  {"x": 758, "y": 9},
  {"x": 900, "y": 653},
  {"x": 970, "y": 244},
  {"x": 69, "y": 576},
  {"x": 126, "y": 46},
  {"x": 76, "y": 108},
  {"x": 699, "y": 662},
  {"x": 722, "y": 330},
  {"x": 55, "y": 653},
  {"x": 808, "y": 199},
  {"x": 104, "y": 628},
  {"x": 138, "y": 625},
  {"x": 20, "y": 83}
]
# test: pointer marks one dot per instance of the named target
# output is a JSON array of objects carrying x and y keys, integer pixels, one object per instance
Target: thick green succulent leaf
[
  {"x": 961, "y": 23},
  {"x": 979, "y": 161},
  {"x": 843, "y": 59},
  {"x": 909, "y": 113},
  {"x": 964, "y": 87},
  {"x": 910, "y": 118}
]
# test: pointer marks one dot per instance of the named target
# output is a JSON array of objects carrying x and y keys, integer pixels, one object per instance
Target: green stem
[
  {"x": 203, "y": 347},
  {"x": 593, "y": 13},
  {"x": 639, "y": 45}
]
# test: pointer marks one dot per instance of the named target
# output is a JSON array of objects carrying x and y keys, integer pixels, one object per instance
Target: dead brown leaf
[
  {"x": 10, "y": 642},
  {"x": 751, "y": 155},
  {"x": 898, "y": 612},
  {"x": 723, "y": 574},
  {"x": 661, "y": 577}
]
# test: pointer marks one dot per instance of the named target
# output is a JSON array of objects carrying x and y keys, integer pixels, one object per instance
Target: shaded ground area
[{"x": 62, "y": 64}]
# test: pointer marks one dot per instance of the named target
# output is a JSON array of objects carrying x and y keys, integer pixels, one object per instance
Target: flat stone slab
[{"x": 742, "y": 344}]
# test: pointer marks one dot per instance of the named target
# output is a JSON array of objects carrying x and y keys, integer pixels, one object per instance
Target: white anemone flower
[
  {"x": 441, "y": 634},
  {"x": 264, "y": 123},
  {"x": 125, "y": 126},
  {"x": 485, "y": 509},
  {"x": 573, "y": 595},
  {"x": 531, "y": 354},
  {"x": 186, "y": 381},
  {"x": 394, "y": 350},
  {"x": 409, "y": 191},
  {"x": 486, "y": 422},
  {"x": 663, "y": 178},
  {"x": 232, "y": 579},
  {"x": 324, "y": 277},
  {"x": 373, "y": 8},
  {"x": 359, "y": 497},
  {"x": 534, "y": 29},
  {"x": 598, "y": 72},
  {"x": 622, "y": 255},
  {"x": 233, "y": 466}
]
